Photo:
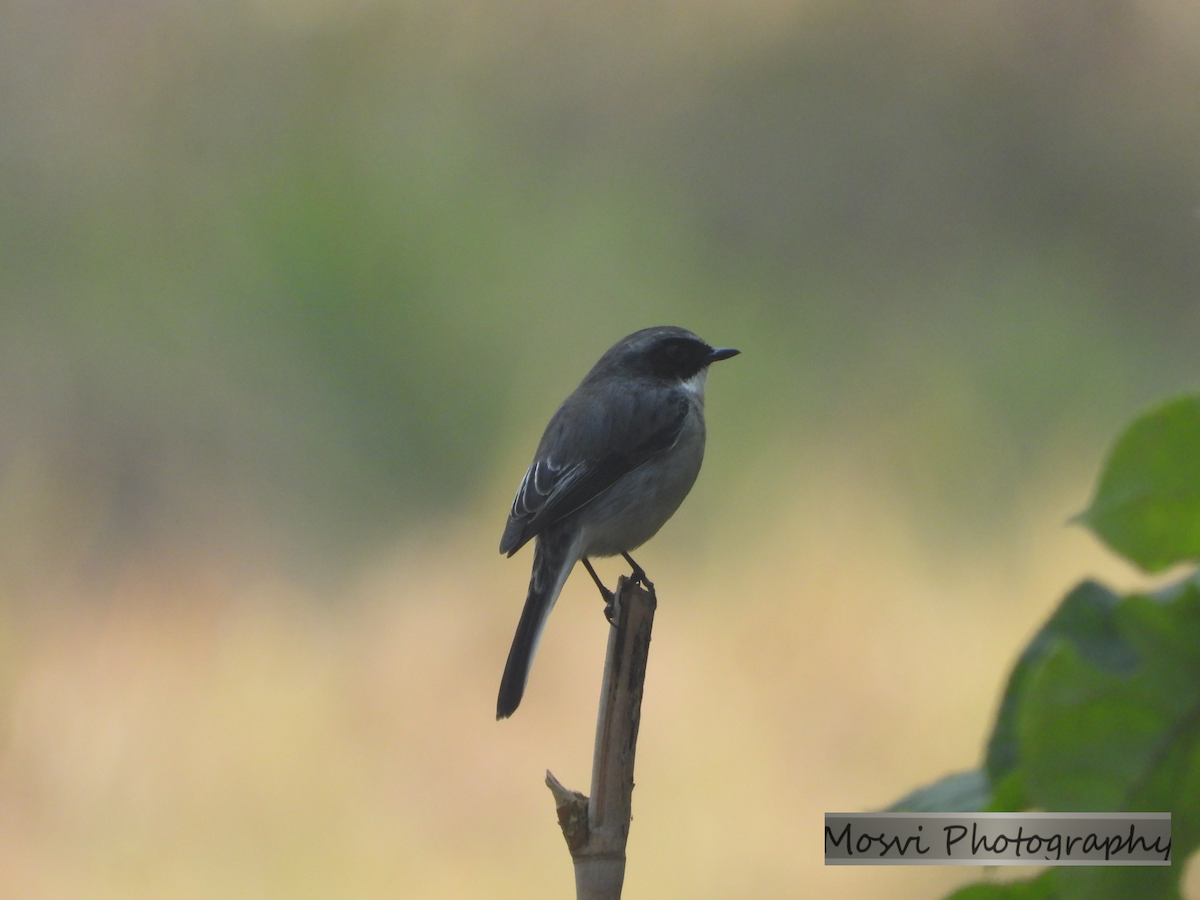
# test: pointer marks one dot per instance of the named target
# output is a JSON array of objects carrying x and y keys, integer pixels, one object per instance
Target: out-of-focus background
[{"x": 288, "y": 289}]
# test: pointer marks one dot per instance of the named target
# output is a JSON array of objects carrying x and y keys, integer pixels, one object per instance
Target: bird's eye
[{"x": 674, "y": 352}]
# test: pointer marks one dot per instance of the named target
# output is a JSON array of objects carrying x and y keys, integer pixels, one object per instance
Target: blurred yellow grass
[{"x": 215, "y": 730}]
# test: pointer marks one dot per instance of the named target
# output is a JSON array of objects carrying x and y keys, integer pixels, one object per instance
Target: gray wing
[{"x": 593, "y": 440}]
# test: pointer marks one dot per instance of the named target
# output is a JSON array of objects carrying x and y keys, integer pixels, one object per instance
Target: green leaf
[
  {"x": 1102, "y": 713},
  {"x": 968, "y": 791},
  {"x": 1147, "y": 503},
  {"x": 1095, "y": 739},
  {"x": 1085, "y": 618},
  {"x": 1009, "y": 794},
  {"x": 1044, "y": 887},
  {"x": 1082, "y": 883},
  {"x": 1119, "y": 882}
]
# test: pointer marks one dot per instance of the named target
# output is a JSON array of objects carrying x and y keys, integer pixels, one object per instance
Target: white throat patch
[{"x": 695, "y": 384}]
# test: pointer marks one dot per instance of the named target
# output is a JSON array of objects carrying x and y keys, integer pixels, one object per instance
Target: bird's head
[{"x": 664, "y": 352}]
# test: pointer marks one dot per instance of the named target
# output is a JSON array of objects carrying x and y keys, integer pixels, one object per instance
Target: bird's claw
[
  {"x": 638, "y": 576},
  {"x": 610, "y": 599}
]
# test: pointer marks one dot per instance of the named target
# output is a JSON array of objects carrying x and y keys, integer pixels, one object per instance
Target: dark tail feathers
[{"x": 552, "y": 563}]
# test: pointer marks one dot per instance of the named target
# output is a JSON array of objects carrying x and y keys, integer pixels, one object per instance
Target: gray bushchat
[{"x": 615, "y": 462}]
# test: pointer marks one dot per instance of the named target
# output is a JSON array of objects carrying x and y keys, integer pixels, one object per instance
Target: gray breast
[{"x": 632, "y": 510}]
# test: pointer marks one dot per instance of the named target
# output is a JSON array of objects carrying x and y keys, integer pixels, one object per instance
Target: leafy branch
[{"x": 1102, "y": 710}]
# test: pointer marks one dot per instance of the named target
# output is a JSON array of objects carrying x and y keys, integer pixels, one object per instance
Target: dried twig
[{"x": 596, "y": 829}]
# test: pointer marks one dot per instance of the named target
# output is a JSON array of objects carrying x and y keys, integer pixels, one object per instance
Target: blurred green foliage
[{"x": 334, "y": 264}]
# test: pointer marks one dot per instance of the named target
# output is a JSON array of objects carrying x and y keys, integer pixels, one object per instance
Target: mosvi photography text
[{"x": 1030, "y": 839}]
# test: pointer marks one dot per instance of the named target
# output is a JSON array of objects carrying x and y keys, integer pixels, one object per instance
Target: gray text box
[{"x": 998, "y": 839}]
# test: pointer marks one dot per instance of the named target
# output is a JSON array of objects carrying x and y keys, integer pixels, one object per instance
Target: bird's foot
[
  {"x": 610, "y": 606},
  {"x": 610, "y": 599},
  {"x": 639, "y": 574}
]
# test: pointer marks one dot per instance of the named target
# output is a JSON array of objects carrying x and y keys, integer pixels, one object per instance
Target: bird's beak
[{"x": 719, "y": 353}]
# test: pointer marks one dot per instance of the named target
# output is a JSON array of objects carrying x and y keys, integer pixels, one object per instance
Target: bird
[{"x": 614, "y": 463}]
